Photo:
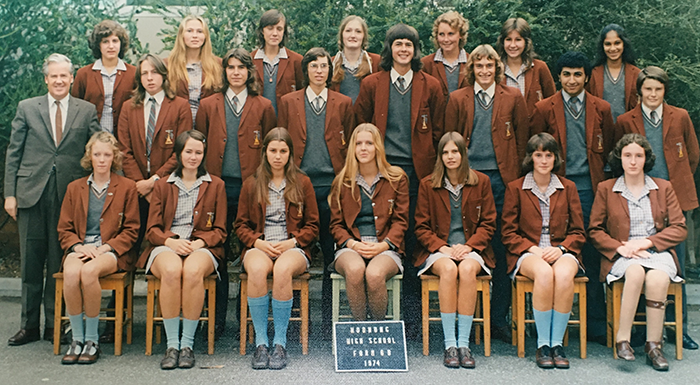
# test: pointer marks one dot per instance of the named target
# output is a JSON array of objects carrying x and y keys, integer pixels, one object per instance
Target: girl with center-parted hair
[
  {"x": 448, "y": 63},
  {"x": 369, "y": 216},
  {"x": 187, "y": 231},
  {"x": 455, "y": 220},
  {"x": 352, "y": 63},
  {"x": 277, "y": 223},
  {"x": 636, "y": 221},
  {"x": 98, "y": 227},
  {"x": 543, "y": 232}
]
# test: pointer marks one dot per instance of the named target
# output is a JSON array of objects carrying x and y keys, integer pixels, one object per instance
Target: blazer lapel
[
  {"x": 85, "y": 200},
  {"x": 416, "y": 95},
  {"x": 443, "y": 77},
  {"x": 497, "y": 98},
  {"x": 535, "y": 202},
  {"x": 244, "y": 113},
  {"x": 281, "y": 66},
  {"x": 96, "y": 79},
  {"x": 202, "y": 191},
  {"x": 590, "y": 124},
  {"x": 301, "y": 107},
  {"x": 70, "y": 117},
  {"x": 44, "y": 108},
  {"x": 560, "y": 121},
  {"x": 110, "y": 194},
  {"x": 352, "y": 207},
  {"x": 529, "y": 75},
  {"x": 381, "y": 100},
  {"x": 469, "y": 101},
  {"x": 445, "y": 198},
  {"x": 553, "y": 199},
  {"x": 220, "y": 112},
  {"x": 667, "y": 121},
  {"x": 630, "y": 84},
  {"x": 162, "y": 115},
  {"x": 460, "y": 77},
  {"x": 638, "y": 120}
]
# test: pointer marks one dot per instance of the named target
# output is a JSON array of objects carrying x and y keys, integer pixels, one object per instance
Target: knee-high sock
[
  {"x": 281, "y": 311},
  {"x": 258, "y": 312},
  {"x": 76, "y": 325},
  {"x": 465, "y": 329},
  {"x": 91, "y": 326},
  {"x": 189, "y": 327},
  {"x": 543, "y": 323},
  {"x": 448, "y": 329},
  {"x": 559, "y": 323},
  {"x": 172, "y": 332}
]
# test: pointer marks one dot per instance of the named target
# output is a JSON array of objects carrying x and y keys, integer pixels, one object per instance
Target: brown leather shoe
[
  {"x": 559, "y": 358},
  {"x": 544, "y": 357},
  {"x": 73, "y": 353},
  {"x": 465, "y": 358},
  {"x": 24, "y": 336},
  {"x": 90, "y": 354},
  {"x": 624, "y": 350},
  {"x": 655, "y": 356},
  {"x": 451, "y": 359},
  {"x": 170, "y": 360}
]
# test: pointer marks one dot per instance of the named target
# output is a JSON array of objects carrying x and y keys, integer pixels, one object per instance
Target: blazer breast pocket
[
  {"x": 424, "y": 122},
  {"x": 676, "y": 148}
]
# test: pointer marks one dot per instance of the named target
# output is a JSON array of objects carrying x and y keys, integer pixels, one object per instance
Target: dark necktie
[
  {"x": 151, "y": 126},
  {"x": 59, "y": 123}
]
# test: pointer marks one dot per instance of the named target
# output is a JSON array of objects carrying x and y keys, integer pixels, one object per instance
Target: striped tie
[
  {"x": 402, "y": 83},
  {"x": 151, "y": 126},
  {"x": 654, "y": 117}
]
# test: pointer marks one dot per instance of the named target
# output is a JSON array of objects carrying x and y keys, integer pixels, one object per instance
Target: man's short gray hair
[{"x": 56, "y": 58}]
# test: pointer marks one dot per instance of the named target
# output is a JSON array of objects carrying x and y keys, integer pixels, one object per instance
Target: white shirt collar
[
  {"x": 159, "y": 97},
  {"x": 311, "y": 95},
  {"x": 489, "y": 91},
  {"x": 64, "y": 102},
  {"x": 659, "y": 110},
  {"x": 580, "y": 97},
  {"x": 395, "y": 75},
  {"x": 242, "y": 96},
  {"x": 282, "y": 54},
  {"x": 99, "y": 66}
]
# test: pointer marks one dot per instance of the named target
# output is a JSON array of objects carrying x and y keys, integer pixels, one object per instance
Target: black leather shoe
[
  {"x": 502, "y": 333},
  {"x": 107, "y": 336},
  {"x": 186, "y": 359},
  {"x": 278, "y": 358},
  {"x": 24, "y": 336},
  {"x": 170, "y": 359},
  {"x": 73, "y": 353},
  {"x": 559, "y": 358},
  {"x": 451, "y": 358},
  {"x": 688, "y": 342},
  {"x": 544, "y": 357},
  {"x": 261, "y": 358}
]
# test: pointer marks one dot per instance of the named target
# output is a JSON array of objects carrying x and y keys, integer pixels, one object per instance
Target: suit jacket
[
  {"x": 427, "y": 114},
  {"x": 539, "y": 84},
  {"x": 390, "y": 206},
  {"x": 433, "y": 217},
  {"x": 374, "y": 64},
  {"x": 209, "y": 217},
  {"x": 437, "y": 70},
  {"x": 522, "y": 220},
  {"x": 88, "y": 86},
  {"x": 509, "y": 125},
  {"x": 183, "y": 88},
  {"x": 610, "y": 222},
  {"x": 32, "y": 134},
  {"x": 681, "y": 149},
  {"x": 302, "y": 222},
  {"x": 290, "y": 77},
  {"x": 174, "y": 118},
  {"x": 119, "y": 222},
  {"x": 549, "y": 116},
  {"x": 257, "y": 118},
  {"x": 340, "y": 121},
  {"x": 596, "y": 84}
]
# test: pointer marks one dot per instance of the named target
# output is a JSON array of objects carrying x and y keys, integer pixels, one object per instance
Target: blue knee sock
[
  {"x": 543, "y": 323},
  {"x": 91, "y": 326},
  {"x": 448, "y": 329},
  {"x": 172, "y": 332},
  {"x": 559, "y": 323},
  {"x": 465, "y": 329},
  {"x": 258, "y": 313},
  {"x": 189, "y": 327},
  {"x": 76, "y": 325},
  {"x": 281, "y": 311}
]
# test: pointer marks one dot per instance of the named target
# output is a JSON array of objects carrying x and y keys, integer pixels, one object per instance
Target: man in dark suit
[{"x": 48, "y": 140}]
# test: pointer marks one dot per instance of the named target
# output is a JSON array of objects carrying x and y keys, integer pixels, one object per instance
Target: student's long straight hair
[
  {"x": 293, "y": 192},
  {"x": 177, "y": 62},
  {"x": 138, "y": 95},
  {"x": 346, "y": 177},
  {"x": 465, "y": 174},
  {"x": 365, "y": 67}
]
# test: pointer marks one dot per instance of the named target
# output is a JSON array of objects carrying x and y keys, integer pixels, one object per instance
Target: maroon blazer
[
  {"x": 597, "y": 80},
  {"x": 302, "y": 222},
  {"x": 290, "y": 77},
  {"x": 681, "y": 149},
  {"x": 390, "y": 207},
  {"x": 209, "y": 217},
  {"x": 522, "y": 220},
  {"x": 509, "y": 125},
  {"x": 610, "y": 222},
  {"x": 549, "y": 116},
  {"x": 183, "y": 88},
  {"x": 119, "y": 222},
  {"x": 427, "y": 114},
  {"x": 433, "y": 215},
  {"x": 437, "y": 70},
  {"x": 539, "y": 84},
  {"x": 88, "y": 86},
  {"x": 340, "y": 121},
  {"x": 174, "y": 118},
  {"x": 257, "y": 118},
  {"x": 374, "y": 64}
]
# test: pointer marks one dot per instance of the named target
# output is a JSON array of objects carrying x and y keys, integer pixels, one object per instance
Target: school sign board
[{"x": 372, "y": 346}]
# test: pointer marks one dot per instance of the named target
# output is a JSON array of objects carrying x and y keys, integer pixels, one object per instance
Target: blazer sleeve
[
  {"x": 364, "y": 104},
  {"x": 576, "y": 234},
  {"x": 691, "y": 143},
  {"x": 217, "y": 234},
  {"x": 184, "y": 123},
  {"x": 125, "y": 239},
  {"x": 245, "y": 228},
  {"x": 156, "y": 233},
  {"x": 399, "y": 215},
  {"x": 340, "y": 230},
  {"x": 452, "y": 117},
  {"x": 522, "y": 125},
  {"x": 348, "y": 119},
  {"x": 486, "y": 226},
  {"x": 79, "y": 85},
  {"x": 283, "y": 112},
  {"x": 15, "y": 149},
  {"x": 597, "y": 228},
  {"x": 67, "y": 233},
  {"x": 269, "y": 119},
  {"x": 129, "y": 165},
  {"x": 308, "y": 233},
  {"x": 510, "y": 222},
  {"x": 675, "y": 231},
  {"x": 424, "y": 229}
]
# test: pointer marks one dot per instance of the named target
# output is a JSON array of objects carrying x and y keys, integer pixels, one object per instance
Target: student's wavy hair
[
  {"x": 480, "y": 52},
  {"x": 312, "y": 55},
  {"x": 655, "y": 73},
  {"x": 615, "y": 156},
  {"x": 521, "y": 26},
  {"x": 104, "y": 29},
  {"x": 465, "y": 174},
  {"x": 573, "y": 59},
  {"x": 365, "y": 67},
  {"x": 102, "y": 137},
  {"x": 456, "y": 21},
  {"x": 179, "y": 146},
  {"x": 541, "y": 142},
  {"x": 346, "y": 176},
  {"x": 293, "y": 192},
  {"x": 628, "y": 55},
  {"x": 177, "y": 61},
  {"x": 271, "y": 17},
  {"x": 252, "y": 83},
  {"x": 139, "y": 93},
  {"x": 401, "y": 31}
]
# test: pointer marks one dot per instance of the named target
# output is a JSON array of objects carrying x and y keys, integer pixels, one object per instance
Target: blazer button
[
  {"x": 375, "y": 217},
  {"x": 303, "y": 141},
  {"x": 102, "y": 220},
  {"x": 224, "y": 140},
  {"x": 196, "y": 213},
  {"x": 372, "y": 204},
  {"x": 221, "y": 156}
]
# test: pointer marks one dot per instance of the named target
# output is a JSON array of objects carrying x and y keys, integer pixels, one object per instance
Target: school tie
[
  {"x": 654, "y": 117},
  {"x": 151, "y": 126},
  {"x": 402, "y": 83},
  {"x": 485, "y": 99},
  {"x": 235, "y": 104},
  {"x": 59, "y": 123},
  {"x": 574, "y": 104},
  {"x": 318, "y": 102}
]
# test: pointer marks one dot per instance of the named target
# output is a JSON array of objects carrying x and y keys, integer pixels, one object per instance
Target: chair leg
[
  {"x": 150, "y": 313},
  {"x": 211, "y": 315},
  {"x": 477, "y": 314},
  {"x": 609, "y": 315},
  {"x": 130, "y": 309},
  {"x": 58, "y": 312},
  {"x": 397, "y": 299},
  {"x": 335, "y": 313},
  {"x": 583, "y": 320},
  {"x": 520, "y": 304},
  {"x": 425, "y": 302},
  {"x": 305, "y": 317},
  {"x": 244, "y": 317},
  {"x": 513, "y": 315},
  {"x": 617, "y": 302},
  {"x": 118, "y": 320},
  {"x": 678, "y": 297},
  {"x": 486, "y": 303}
]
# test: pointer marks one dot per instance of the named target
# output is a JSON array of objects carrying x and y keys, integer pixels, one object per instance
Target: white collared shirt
[
  {"x": 147, "y": 107},
  {"x": 242, "y": 97},
  {"x": 659, "y": 111},
  {"x": 408, "y": 77},
  {"x": 581, "y": 97},
  {"x": 311, "y": 95},
  {"x": 52, "y": 114},
  {"x": 282, "y": 54},
  {"x": 99, "y": 66},
  {"x": 489, "y": 91}
]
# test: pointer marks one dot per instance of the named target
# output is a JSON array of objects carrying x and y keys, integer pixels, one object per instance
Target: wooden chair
[
  {"x": 153, "y": 313},
  {"x": 523, "y": 285},
  {"x": 301, "y": 284},
  {"x": 123, "y": 284},
  {"x": 430, "y": 283},
  {"x": 614, "y": 301}
]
